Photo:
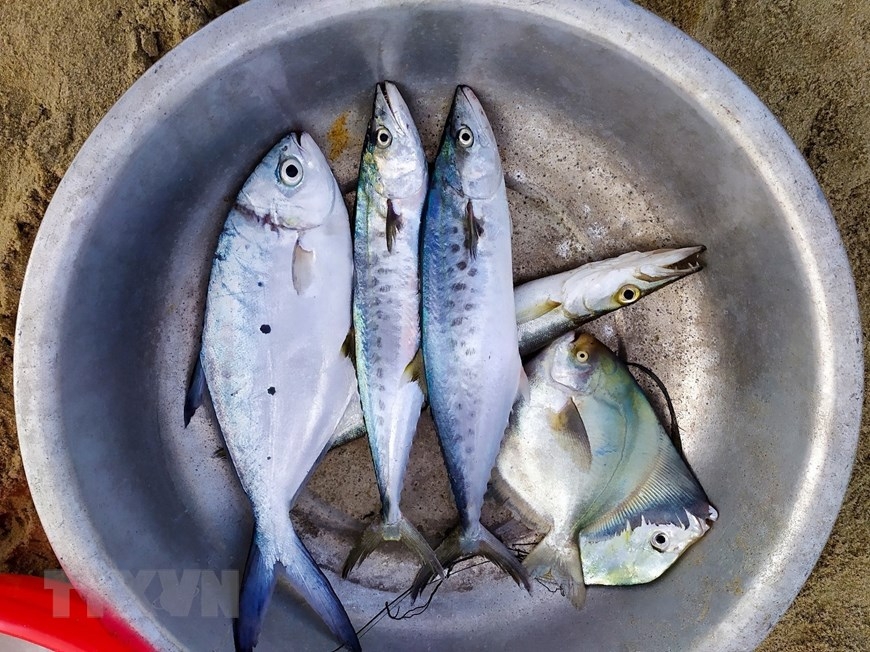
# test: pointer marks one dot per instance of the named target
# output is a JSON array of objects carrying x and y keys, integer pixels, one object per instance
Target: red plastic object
[{"x": 52, "y": 614}]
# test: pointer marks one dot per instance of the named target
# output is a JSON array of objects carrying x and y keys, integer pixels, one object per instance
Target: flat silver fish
[
  {"x": 392, "y": 185},
  {"x": 277, "y": 314},
  {"x": 470, "y": 351},
  {"x": 586, "y": 460},
  {"x": 549, "y": 307}
]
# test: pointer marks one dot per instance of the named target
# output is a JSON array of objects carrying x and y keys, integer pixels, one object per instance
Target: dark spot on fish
[
  {"x": 456, "y": 322},
  {"x": 469, "y": 449},
  {"x": 454, "y": 248},
  {"x": 219, "y": 256},
  {"x": 450, "y": 304},
  {"x": 380, "y": 372},
  {"x": 458, "y": 287},
  {"x": 259, "y": 283},
  {"x": 470, "y": 351},
  {"x": 381, "y": 405},
  {"x": 455, "y": 229},
  {"x": 379, "y": 314},
  {"x": 378, "y": 342},
  {"x": 461, "y": 265},
  {"x": 472, "y": 271},
  {"x": 385, "y": 288},
  {"x": 268, "y": 457},
  {"x": 469, "y": 306},
  {"x": 265, "y": 328},
  {"x": 271, "y": 391}
]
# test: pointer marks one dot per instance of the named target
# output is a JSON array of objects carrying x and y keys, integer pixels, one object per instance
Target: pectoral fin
[
  {"x": 568, "y": 425},
  {"x": 537, "y": 310},
  {"x": 473, "y": 230},
  {"x": 394, "y": 224},
  {"x": 303, "y": 267}
]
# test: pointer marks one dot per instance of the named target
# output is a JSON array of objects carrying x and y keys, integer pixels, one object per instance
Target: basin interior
[{"x": 602, "y": 155}]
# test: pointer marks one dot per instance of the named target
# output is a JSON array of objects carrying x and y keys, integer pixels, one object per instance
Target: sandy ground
[{"x": 62, "y": 65}]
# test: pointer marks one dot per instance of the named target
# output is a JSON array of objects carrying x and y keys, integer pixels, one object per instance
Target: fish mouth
[
  {"x": 669, "y": 265},
  {"x": 383, "y": 90}
]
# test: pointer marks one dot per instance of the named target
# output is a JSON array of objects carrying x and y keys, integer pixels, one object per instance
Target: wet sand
[{"x": 63, "y": 66}]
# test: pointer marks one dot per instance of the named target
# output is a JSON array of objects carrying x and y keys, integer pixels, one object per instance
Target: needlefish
[
  {"x": 386, "y": 311},
  {"x": 586, "y": 461},
  {"x": 549, "y": 307},
  {"x": 277, "y": 315},
  {"x": 470, "y": 351}
]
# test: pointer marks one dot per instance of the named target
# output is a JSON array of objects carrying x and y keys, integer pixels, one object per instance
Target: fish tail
[
  {"x": 404, "y": 531},
  {"x": 499, "y": 554},
  {"x": 457, "y": 545},
  {"x": 258, "y": 582},
  {"x": 195, "y": 391},
  {"x": 562, "y": 564},
  {"x": 305, "y": 577}
]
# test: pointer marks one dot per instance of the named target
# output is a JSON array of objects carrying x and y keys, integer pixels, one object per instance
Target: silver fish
[
  {"x": 277, "y": 314},
  {"x": 549, "y": 307},
  {"x": 586, "y": 460},
  {"x": 386, "y": 310},
  {"x": 552, "y": 306},
  {"x": 470, "y": 351}
]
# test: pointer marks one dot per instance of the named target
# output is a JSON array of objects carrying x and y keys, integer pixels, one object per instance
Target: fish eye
[
  {"x": 383, "y": 137},
  {"x": 627, "y": 294},
  {"x": 582, "y": 356},
  {"x": 465, "y": 137},
  {"x": 290, "y": 172},
  {"x": 659, "y": 541}
]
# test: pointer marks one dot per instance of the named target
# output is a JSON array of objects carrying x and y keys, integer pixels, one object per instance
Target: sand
[{"x": 64, "y": 64}]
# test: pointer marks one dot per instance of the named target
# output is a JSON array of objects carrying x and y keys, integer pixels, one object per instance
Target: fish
[
  {"x": 549, "y": 307},
  {"x": 586, "y": 460},
  {"x": 393, "y": 175},
  {"x": 470, "y": 351},
  {"x": 276, "y": 318}
]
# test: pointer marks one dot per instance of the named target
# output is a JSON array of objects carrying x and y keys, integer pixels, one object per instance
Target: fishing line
[
  {"x": 675, "y": 428},
  {"x": 413, "y": 611}
]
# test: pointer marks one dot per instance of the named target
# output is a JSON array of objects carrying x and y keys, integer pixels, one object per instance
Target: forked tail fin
[
  {"x": 457, "y": 545},
  {"x": 378, "y": 532},
  {"x": 304, "y": 575},
  {"x": 562, "y": 564}
]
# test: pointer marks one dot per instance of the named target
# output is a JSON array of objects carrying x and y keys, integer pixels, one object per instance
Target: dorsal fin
[
  {"x": 669, "y": 491},
  {"x": 394, "y": 225},
  {"x": 473, "y": 229}
]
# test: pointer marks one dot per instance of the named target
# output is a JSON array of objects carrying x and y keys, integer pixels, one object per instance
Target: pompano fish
[
  {"x": 549, "y": 307},
  {"x": 386, "y": 310},
  {"x": 470, "y": 353},
  {"x": 586, "y": 460},
  {"x": 277, "y": 314},
  {"x": 552, "y": 306}
]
